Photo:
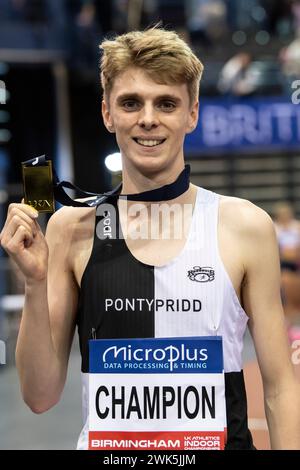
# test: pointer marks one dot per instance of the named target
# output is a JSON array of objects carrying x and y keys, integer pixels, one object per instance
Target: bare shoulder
[
  {"x": 69, "y": 222},
  {"x": 70, "y": 235},
  {"x": 244, "y": 217}
]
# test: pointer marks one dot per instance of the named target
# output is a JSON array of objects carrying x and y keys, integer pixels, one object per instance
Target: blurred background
[{"x": 247, "y": 144}]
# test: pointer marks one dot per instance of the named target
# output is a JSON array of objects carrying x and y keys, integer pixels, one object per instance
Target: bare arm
[
  {"x": 262, "y": 302},
  {"x": 48, "y": 318}
]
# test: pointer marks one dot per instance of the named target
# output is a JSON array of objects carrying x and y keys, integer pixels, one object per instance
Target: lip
[
  {"x": 149, "y": 150},
  {"x": 149, "y": 137}
]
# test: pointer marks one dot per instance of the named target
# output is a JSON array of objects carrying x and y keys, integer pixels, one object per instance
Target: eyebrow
[{"x": 136, "y": 96}]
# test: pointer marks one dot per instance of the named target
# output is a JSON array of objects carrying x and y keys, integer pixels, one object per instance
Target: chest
[{"x": 168, "y": 245}]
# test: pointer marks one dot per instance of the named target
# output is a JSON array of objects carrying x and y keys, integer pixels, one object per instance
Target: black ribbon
[{"x": 164, "y": 193}]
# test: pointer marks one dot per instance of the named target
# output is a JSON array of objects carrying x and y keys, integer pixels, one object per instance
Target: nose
[{"x": 148, "y": 118}]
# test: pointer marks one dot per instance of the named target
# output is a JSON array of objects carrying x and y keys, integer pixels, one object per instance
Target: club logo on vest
[{"x": 199, "y": 274}]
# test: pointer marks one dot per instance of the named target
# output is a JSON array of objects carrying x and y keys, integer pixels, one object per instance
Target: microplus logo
[
  {"x": 2, "y": 353},
  {"x": 169, "y": 354},
  {"x": 2, "y": 92},
  {"x": 186, "y": 355}
]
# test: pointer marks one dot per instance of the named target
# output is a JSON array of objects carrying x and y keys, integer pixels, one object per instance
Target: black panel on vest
[
  {"x": 113, "y": 273},
  {"x": 238, "y": 434}
]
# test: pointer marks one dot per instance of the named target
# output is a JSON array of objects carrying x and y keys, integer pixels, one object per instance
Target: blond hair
[{"x": 165, "y": 57}]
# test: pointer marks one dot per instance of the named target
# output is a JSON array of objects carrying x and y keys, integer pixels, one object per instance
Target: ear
[
  {"x": 193, "y": 117},
  {"x": 107, "y": 118}
]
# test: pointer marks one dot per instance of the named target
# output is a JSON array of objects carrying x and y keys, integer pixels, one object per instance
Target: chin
[{"x": 150, "y": 165}]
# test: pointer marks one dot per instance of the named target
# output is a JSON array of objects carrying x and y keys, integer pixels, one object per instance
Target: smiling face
[{"x": 150, "y": 121}]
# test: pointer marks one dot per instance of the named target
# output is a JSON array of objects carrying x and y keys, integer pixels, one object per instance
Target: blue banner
[
  {"x": 249, "y": 124},
  {"x": 157, "y": 355}
]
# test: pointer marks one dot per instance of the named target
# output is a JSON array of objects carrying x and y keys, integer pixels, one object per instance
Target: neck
[{"x": 136, "y": 181}]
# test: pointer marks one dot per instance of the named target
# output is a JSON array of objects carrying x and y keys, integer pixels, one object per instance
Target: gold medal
[{"x": 38, "y": 186}]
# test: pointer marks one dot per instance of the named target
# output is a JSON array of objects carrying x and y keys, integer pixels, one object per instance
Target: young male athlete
[{"x": 222, "y": 272}]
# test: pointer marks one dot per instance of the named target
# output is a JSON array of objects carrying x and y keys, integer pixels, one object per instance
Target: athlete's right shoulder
[
  {"x": 67, "y": 217},
  {"x": 62, "y": 216}
]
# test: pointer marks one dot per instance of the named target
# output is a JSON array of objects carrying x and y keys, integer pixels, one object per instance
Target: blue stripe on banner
[{"x": 157, "y": 355}]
